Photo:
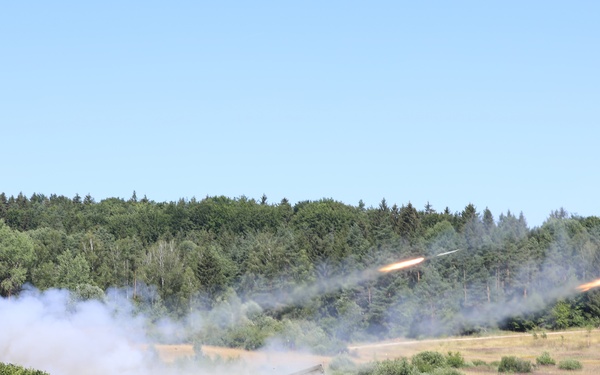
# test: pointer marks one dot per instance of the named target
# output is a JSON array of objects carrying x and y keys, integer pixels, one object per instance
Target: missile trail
[
  {"x": 301, "y": 294},
  {"x": 447, "y": 252}
]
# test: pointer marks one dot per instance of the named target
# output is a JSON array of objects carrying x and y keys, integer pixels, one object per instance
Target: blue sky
[{"x": 490, "y": 103}]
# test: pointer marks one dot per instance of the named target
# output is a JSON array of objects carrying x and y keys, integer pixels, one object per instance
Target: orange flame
[
  {"x": 588, "y": 286},
  {"x": 400, "y": 265}
]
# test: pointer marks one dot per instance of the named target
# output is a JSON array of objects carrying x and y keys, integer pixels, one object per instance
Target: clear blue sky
[{"x": 491, "y": 103}]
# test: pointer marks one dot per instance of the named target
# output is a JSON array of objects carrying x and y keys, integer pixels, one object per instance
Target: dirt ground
[
  {"x": 582, "y": 345},
  {"x": 170, "y": 353}
]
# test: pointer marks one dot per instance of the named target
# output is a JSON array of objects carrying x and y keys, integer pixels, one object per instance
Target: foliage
[
  {"x": 399, "y": 366},
  {"x": 427, "y": 361},
  {"x": 514, "y": 364},
  {"x": 570, "y": 364},
  {"x": 301, "y": 334},
  {"x": 545, "y": 359},
  {"x": 564, "y": 315},
  {"x": 446, "y": 371},
  {"x": 342, "y": 364},
  {"x": 10, "y": 369},
  {"x": 308, "y": 266},
  {"x": 455, "y": 359},
  {"x": 16, "y": 256},
  {"x": 84, "y": 292},
  {"x": 252, "y": 334}
]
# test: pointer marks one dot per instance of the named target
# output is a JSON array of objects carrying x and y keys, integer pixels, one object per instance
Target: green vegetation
[
  {"x": 446, "y": 371},
  {"x": 455, "y": 359},
  {"x": 570, "y": 364},
  {"x": 545, "y": 360},
  {"x": 514, "y": 364},
  {"x": 342, "y": 364},
  {"x": 10, "y": 369},
  {"x": 428, "y": 361},
  {"x": 256, "y": 271},
  {"x": 398, "y": 366}
]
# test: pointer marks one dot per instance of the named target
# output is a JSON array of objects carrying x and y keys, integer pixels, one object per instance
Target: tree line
[{"x": 195, "y": 254}]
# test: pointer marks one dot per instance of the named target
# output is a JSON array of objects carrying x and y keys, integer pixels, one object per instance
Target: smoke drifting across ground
[
  {"x": 53, "y": 332},
  {"x": 50, "y": 331}
]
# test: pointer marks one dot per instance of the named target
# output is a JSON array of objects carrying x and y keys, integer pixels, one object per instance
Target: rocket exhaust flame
[
  {"x": 411, "y": 262},
  {"x": 588, "y": 286},
  {"x": 400, "y": 265}
]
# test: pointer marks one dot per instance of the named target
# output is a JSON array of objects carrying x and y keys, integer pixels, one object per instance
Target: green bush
[
  {"x": 570, "y": 364},
  {"x": 10, "y": 369},
  {"x": 514, "y": 364},
  {"x": 545, "y": 359},
  {"x": 307, "y": 334},
  {"x": 455, "y": 360},
  {"x": 365, "y": 369},
  {"x": 342, "y": 364},
  {"x": 479, "y": 362},
  {"x": 428, "y": 361},
  {"x": 399, "y": 366},
  {"x": 446, "y": 371}
]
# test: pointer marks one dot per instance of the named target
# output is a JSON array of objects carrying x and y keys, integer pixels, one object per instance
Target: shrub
[
  {"x": 428, "y": 361},
  {"x": 570, "y": 364},
  {"x": 395, "y": 367},
  {"x": 366, "y": 369},
  {"x": 455, "y": 360},
  {"x": 446, "y": 371},
  {"x": 307, "y": 334},
  {"x": 545, "y": 359},
  {"x": 342, "y": 364},
  {"x": 10, "y": 369},
  {"x": 514, "y": 364},
  {"x": 479, "y": 362}
]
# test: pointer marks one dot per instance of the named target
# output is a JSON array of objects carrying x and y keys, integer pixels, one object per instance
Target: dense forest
[{"x": 306, "y": 272}]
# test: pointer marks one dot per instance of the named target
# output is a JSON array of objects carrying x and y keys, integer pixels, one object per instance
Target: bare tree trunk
[
  {"x": 134, "y": 284},
  {"x": 465, "y": 284}
]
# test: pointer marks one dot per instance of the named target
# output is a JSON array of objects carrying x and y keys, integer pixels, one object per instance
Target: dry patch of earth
[{"x": 582, "y": 345}]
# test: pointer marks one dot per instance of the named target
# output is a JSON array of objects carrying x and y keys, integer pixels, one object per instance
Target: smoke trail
[
  {"x": 301, "y": 294},
  {"x": 492, "y": 313}
]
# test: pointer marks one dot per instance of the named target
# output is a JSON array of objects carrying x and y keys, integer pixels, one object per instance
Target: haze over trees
[{"x": 256, "y": 269}]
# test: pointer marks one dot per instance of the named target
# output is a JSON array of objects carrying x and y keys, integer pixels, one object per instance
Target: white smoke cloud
[{"x": 52, "y": 332}]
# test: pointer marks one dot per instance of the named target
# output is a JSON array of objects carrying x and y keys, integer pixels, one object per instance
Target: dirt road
[{"x": 452, "y": 339}]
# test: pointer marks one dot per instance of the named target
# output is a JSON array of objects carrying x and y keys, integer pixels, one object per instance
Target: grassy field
[
  {"x": 582, "y": 345},
  {"x": 263, "y": 358}
]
